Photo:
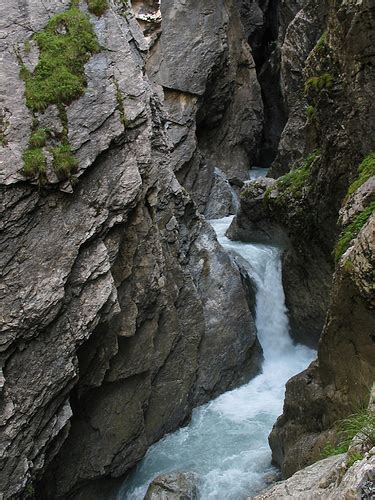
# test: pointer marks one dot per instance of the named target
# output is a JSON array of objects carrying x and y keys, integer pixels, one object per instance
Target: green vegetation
[
  {"x": 365, "y": 171},
  {"x": 318, "y": 83},
  {"x": 38, "y": 138},
  {"x": 65, "y": 45},
  {"x": 64, "y": 161},
  {"x": 97, "y": 7},
  {"x": 353, "y": 230},
  {"x": 311, "y": 112},
  {"x": 360, "y": 423},
  {"x": 34, "y": 162},
  {"x": 353, "y": 458},
  {"x": 322, "y": 42},
  {"x": 27, "y": 47},
  {"x": 294, "y": 182}
]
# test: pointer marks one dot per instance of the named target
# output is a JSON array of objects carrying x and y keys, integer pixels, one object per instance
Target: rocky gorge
[{"x": 124, "y": 126}]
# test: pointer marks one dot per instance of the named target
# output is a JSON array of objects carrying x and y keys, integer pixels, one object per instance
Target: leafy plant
[{"x": 353, "y": 458}]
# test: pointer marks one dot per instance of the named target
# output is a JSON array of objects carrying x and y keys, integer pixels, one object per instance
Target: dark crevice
[{"x": 263, "y": 39}]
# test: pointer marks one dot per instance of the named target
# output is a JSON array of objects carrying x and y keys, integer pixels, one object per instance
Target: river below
[{"x": 226, "y": 442}]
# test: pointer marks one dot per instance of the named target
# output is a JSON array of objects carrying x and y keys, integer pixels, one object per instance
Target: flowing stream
[{"x": 226, "y": 442}]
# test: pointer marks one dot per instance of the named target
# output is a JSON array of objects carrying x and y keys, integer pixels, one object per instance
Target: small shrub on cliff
[
  {"x": 353, "y": 230},
  {"x": 365, "y": 171}
]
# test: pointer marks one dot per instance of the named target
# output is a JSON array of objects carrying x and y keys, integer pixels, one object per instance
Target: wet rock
[
  {"x": 223, "y": 199},
  {"x": 175, "y": 486}
]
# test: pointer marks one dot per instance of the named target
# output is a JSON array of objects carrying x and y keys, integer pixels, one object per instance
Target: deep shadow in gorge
[{"x": 262, "y": 31}]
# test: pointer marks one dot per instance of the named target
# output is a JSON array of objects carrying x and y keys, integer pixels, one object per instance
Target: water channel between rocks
[{"x": 226, "y": 442}]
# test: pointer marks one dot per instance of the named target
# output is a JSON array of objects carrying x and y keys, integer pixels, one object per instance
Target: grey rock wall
[{"x": 119, "y": 310}]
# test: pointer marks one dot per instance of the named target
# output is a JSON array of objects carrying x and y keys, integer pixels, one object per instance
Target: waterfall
[{"x": 226, "y": 442}]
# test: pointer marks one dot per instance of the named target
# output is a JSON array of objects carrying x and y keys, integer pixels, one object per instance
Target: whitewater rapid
[{"x": 226, "y": 442}]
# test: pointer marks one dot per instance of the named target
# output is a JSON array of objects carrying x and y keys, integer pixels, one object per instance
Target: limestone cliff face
[
  {"x": 120, "y": 312},
  {"x": 323, "y": 211}
]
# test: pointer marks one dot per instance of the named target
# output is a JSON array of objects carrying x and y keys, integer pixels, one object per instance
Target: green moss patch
[
  {"x": 294, "y": 182},
  {"x": 352, "y": 231},
  {"x": 65, "y": 45},
  {"x": 97, "y": 7},
  {"x": 365, "y": 171}
]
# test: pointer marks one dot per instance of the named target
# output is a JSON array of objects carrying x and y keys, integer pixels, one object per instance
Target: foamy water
[{"x": 226, "y": 442}]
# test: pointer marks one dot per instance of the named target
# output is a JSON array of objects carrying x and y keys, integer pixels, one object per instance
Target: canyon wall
[
  {"x": 322, "y": 212},
  {"x": 120, "y": 311}
]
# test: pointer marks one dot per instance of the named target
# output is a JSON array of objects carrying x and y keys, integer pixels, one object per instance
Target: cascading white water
[{"x": 226, "y": 442}]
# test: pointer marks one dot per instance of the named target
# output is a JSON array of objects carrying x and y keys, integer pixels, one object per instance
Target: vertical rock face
[
  {"x": 304, "y": 208},
  {"x": 120, "y": 312},
  {"x": 212, "y": 96}
]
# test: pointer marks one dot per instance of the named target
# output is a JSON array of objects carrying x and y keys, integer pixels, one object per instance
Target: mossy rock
[
  {"x": 365, "y": 171},
  {"x": 352, "y": 231},
  {"x": 66, "y": 44}
]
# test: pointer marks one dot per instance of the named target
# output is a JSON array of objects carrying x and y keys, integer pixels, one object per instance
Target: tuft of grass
[
  {"x": 362, "y": 423},
  {"x": 64, "y": 162},
  {"x": 34, "y": 162},
  {"x": 318, "y": 83},
  {"x": 353, "y": 230},
  {"x": 97, "y": 7},
  {"x": 65, "y": 45},
  {"x": 38, "y": 138},
  {"x": 365, "y": 171}
]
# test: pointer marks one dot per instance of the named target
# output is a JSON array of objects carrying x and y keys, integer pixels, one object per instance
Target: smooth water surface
[{"x": 226, "y": 442}]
